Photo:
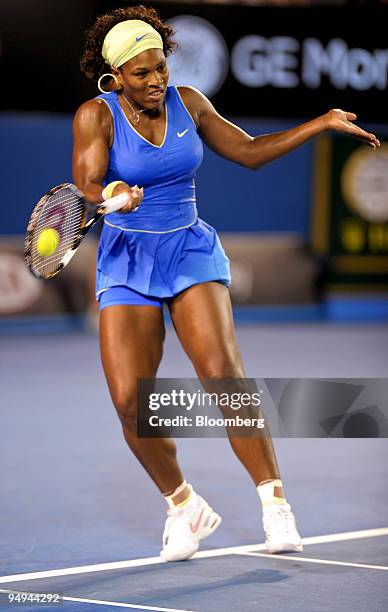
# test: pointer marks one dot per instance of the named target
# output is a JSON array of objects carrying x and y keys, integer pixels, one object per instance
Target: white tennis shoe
[
  {"x": 186, "y": 527},
  {"x": 281, "y": 534}
]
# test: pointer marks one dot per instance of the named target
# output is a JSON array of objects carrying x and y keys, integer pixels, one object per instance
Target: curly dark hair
[{"x": 92, "y": 63}]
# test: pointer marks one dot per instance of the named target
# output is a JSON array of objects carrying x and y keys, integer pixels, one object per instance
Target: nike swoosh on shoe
[{"x": 194, "y": 528}]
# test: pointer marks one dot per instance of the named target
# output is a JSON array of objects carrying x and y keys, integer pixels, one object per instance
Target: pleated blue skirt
[{"x": 160, "y": 264}]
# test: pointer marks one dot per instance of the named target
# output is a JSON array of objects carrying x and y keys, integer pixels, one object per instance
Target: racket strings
[{"x": 65, "y": 212}]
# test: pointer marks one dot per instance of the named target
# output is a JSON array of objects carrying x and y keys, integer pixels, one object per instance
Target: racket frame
[{"x": 108, "y": 206}]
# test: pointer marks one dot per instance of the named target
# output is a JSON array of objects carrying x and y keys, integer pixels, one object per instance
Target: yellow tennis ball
[{"x": 48, "y": 242}]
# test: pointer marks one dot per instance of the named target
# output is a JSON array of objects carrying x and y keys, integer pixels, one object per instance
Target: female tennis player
[{"x": 143, "y": 132}]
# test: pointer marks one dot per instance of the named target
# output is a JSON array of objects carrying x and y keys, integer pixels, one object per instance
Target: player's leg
[
  {"x": 203, "y": 319},
  {"x": 131, "y": 342},
  {"x": 131, "y": 348}
]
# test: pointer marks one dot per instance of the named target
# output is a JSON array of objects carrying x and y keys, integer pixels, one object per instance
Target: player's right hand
[{"x": 135, "y": 194}]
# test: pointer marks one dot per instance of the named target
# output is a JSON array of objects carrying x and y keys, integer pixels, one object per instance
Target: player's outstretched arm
[{"x": 231, "y": 142}]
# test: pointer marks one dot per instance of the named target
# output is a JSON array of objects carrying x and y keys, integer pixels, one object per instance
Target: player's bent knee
[
  {"x": 224, "y": 368},
  {"x": 126, "y": 408}
]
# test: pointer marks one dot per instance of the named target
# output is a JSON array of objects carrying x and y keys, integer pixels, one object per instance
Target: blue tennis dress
[{"x": 163, "y": 247}]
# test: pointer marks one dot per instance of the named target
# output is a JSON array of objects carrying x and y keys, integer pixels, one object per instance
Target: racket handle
[{"x": 115, "y": 203}]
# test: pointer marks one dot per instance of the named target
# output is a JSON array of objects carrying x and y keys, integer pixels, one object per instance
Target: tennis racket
[{"x": 64, "y": 210}]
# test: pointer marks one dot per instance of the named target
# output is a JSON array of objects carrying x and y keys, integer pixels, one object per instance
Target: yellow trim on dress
[
  {"x": 186, "y": 109},
  {"x": 129, "y": 229}
]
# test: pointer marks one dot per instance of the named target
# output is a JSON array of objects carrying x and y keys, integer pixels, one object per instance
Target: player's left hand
[
  {"x": 342, "y": 121},
  {"x": 135, "y": 196}
]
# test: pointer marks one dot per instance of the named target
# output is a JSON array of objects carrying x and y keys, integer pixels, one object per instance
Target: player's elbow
[
  {"x": 250, "y": 157},
  {"x": 255, "y": 165},
  {"x": 252, "y": 164},
  {"x": 247, "y": 160}
]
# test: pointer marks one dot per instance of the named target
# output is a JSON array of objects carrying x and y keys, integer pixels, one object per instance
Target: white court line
[
  {"x": 217, "y": 552},
  {"x": 311, "y": 560},
  {"x": 107, "y": 603}
]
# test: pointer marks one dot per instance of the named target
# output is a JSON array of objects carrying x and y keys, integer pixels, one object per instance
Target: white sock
[
  {"x": 266, "y": 493},
  {"x": 189, "y": 499}
]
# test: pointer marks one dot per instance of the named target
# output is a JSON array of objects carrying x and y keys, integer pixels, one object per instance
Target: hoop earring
[{"x": 102, "y": 77}]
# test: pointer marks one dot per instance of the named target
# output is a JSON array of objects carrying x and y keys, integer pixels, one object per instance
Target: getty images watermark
[
  {"x": 188, "y": 408},
  {"x": 280, "y": 407},
  {"x": 185, "y": 400}
]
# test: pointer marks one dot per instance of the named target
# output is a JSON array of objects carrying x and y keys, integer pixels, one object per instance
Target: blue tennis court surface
[{"x": 80, "y": 517}]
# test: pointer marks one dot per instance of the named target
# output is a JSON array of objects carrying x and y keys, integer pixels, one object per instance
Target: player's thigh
[
  {"x": 203, "y": 319},
  {"x": 131, "y": 343}
]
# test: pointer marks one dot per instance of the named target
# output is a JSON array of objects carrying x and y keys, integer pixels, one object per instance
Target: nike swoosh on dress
[
  {"x": 140, "y": 37},
  {"x": 180, "y": 134}
]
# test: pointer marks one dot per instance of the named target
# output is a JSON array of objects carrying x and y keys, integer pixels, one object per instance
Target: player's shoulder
[
  {"x": 190, "y": 94},
  {"x": 94, "y": 111},
  {"x": 195, "y": 101}
]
